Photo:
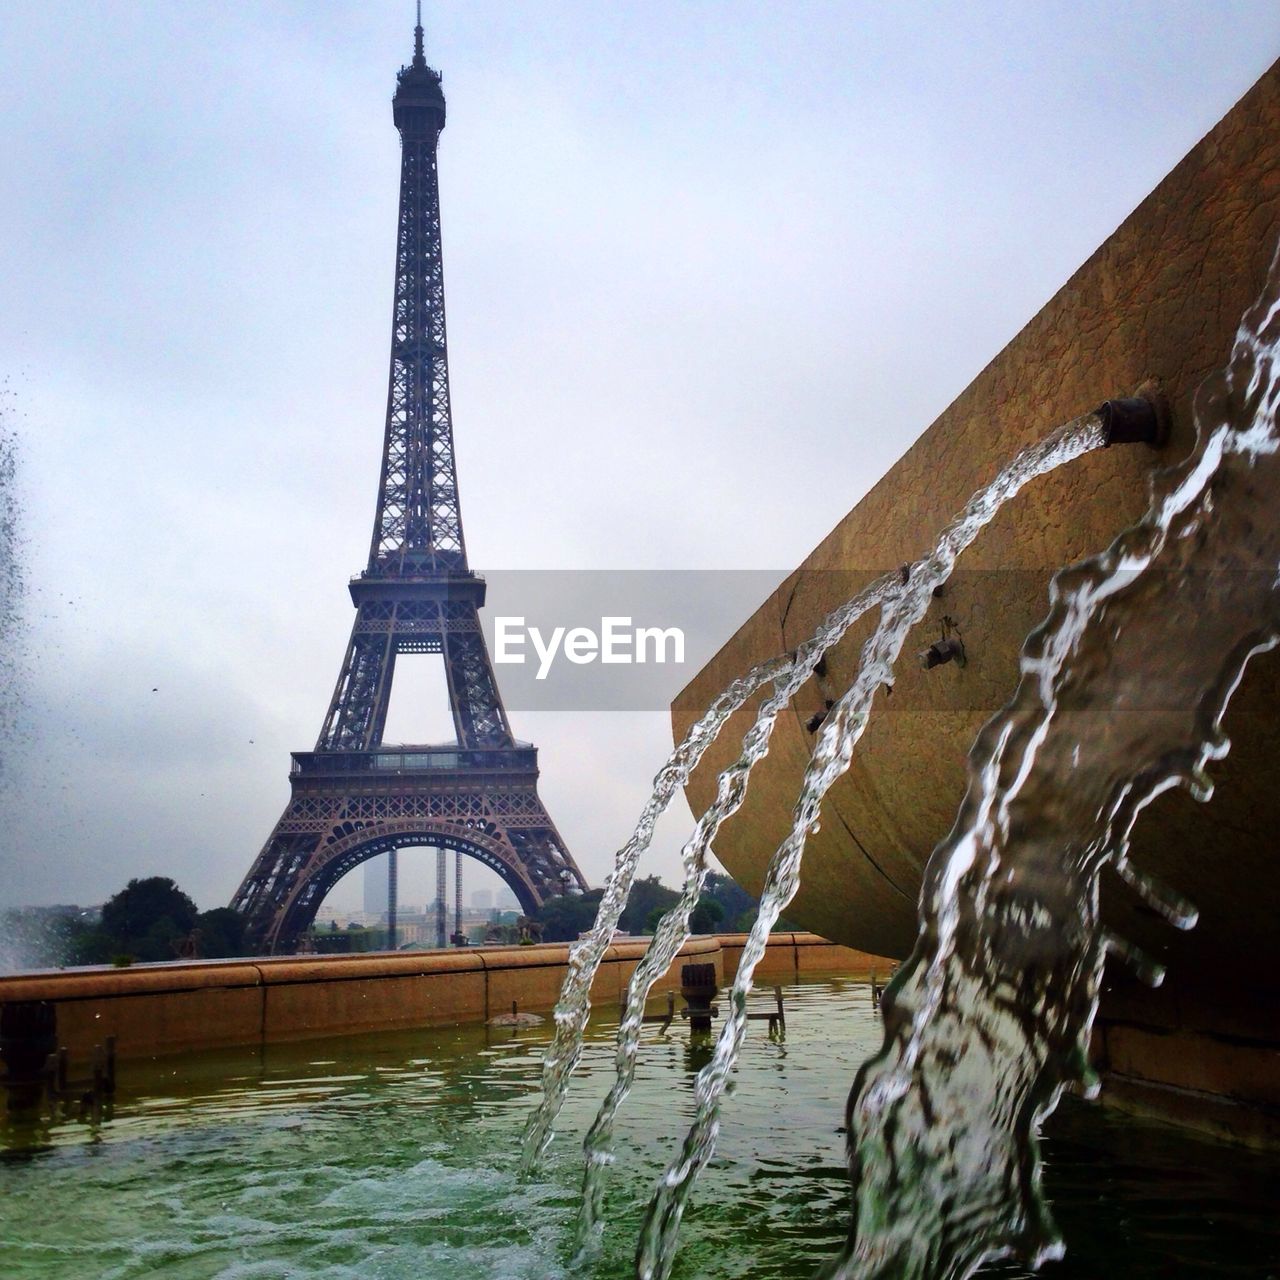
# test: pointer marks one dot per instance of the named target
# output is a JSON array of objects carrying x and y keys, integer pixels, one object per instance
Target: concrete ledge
[
  {"x": 1239, "y": 1071},
  {"x": 188, "y": 1007},
  {"x": 182, "y": 1007},
  {"x": 142, "y": 979},
  {"x": 1208, "y": 1113},
  {"x": 789, "y": 954}
]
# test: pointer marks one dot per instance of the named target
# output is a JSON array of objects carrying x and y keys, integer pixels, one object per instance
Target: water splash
[
  {"x": 1121, "y": 697},
  {"x": 12, "y": 583},
  {"x": 831, "y": 758}
]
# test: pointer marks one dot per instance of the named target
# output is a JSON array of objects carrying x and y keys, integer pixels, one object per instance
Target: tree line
[
  {"x": 149, "y": 919},
  {"x": 153, "y": 919},
  {"x": 723, "y": 907}
]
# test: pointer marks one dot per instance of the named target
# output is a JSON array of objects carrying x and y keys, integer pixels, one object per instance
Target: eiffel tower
[{"x": 353, "y": 796}]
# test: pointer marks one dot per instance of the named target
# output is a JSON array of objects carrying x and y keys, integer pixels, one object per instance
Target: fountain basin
[
  {"x": 392, "y": 1156},
  {"x": 1156, "y": 306}
]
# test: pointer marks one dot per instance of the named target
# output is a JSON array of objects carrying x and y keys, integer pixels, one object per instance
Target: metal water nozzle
[
  {"x": 818, "y": 719},
  {"x": 1141, "y": 419},
  {"x": 950, "y": 649}
]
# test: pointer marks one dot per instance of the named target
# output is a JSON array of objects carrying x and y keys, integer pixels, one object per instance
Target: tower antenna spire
[{"x": 419, "y": 58}]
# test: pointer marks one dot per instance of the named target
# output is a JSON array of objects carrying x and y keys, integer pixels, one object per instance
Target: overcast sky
[{"x": 710, "y": 269}]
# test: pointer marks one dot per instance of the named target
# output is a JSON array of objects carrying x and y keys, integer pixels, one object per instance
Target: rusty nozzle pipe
[
  {"x": 941, "y": 651},
  {"x": 1142, "y": 419}
]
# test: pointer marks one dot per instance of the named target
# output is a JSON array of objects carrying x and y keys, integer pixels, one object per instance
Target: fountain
[
  {"x": 1122, "y": 693},
  {"x": 902, "y": 599},
  {"x": 1158, "y": 302},
  {"x": 1122, "y": 696}
]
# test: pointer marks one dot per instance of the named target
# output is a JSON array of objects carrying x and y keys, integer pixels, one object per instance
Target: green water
[{"x": 394, "y": 1156}]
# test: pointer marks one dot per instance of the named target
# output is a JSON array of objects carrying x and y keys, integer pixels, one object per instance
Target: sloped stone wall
[{"x": 1158, "y": 302}]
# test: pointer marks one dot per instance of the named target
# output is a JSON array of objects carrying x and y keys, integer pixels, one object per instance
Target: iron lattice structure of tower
[{"x": 354, "y": 797}]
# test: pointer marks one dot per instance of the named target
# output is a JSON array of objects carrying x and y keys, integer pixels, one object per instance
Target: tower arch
[{"x": 349, "y": 850}]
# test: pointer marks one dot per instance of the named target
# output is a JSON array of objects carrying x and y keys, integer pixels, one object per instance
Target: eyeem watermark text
[{"x": 617, "y": 641}]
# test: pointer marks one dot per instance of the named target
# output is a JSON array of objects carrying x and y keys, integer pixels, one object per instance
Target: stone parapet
[{"x": 187, "y": 1007}]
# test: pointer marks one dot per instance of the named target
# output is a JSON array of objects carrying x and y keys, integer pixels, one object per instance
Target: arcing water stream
[
  {"x": 788, "y": 674},
  {"x": 902, "y": 604},
  {"x": 831, "y": 758},
  {"x": 989, "y": 1019},
  {"x": 673, "y": 928},
  {"x": 574, "y": 1006}
]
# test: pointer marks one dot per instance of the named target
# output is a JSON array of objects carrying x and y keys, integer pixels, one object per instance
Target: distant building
[
  {"x": 344, "y": 917},
  {"x": 63, "y": 910},
  {"x": 482, "y": 899}
]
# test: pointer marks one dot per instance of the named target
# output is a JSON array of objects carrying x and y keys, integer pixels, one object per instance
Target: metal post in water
[{"x": 698, "y": 986}]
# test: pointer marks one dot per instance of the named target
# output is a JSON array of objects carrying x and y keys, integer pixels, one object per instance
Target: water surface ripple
[{"x": 396, "y": 1158}]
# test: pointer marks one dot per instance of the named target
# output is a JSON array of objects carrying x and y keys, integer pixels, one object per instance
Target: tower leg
[
  {"x": 457, "y": 896},
  {"x": 442, "y": 891},
  {"x": 393, "y": 900}
]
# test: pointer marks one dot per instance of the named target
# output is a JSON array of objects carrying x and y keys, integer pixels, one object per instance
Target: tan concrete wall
[
  {"x": 319, "y": 996},
  {"x": 182, "y": 1008},
  {"x": 790, "y": 955},
  {"x": 1159, "y": 301}
]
